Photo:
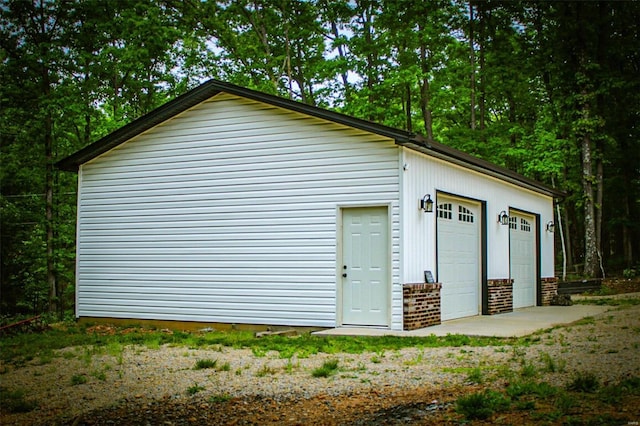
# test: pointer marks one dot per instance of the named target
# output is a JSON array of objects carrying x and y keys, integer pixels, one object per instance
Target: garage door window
[
  {"x": 445, "y": 211},
  {"x": 513, "y": 222},
  {"x": 465, "y": 215},
  {"x": 525, "y": 225}
]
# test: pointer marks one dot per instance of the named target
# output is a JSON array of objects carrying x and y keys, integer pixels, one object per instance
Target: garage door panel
[{"x": 459, "y": 258}]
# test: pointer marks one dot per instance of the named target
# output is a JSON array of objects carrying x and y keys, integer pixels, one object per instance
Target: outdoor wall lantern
[
  {"x": 503, "y": 218},
  {"x": 426, "y": 204},
  {"x": 551, "y": 226}
]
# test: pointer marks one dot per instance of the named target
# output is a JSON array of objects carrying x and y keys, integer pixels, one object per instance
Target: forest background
[{"x": 547, "y": 89}]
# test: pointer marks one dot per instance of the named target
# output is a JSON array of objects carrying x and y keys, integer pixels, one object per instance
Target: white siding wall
[
  {"x": 426, "y": 175},
  {"x": 227, "y": 213}
]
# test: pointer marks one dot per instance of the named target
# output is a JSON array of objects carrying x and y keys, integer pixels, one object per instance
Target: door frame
[
  {"x": 483, "y": 307},
  {"x": 339, "y": 259},
  {"x": 537, "y": 267}
]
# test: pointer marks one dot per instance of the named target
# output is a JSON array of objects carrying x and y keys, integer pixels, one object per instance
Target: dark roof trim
[
  {"x": 213, "y": 87},
  {"x": 463, "y": 159},
  {"x": 201, "y": 94}
]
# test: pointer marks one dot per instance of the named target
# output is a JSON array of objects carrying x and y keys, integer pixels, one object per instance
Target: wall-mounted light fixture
[
  {"x": 503, "y": 218},
  {"x": 551, "y": 226},
  {"x": 426, "y": 204}
]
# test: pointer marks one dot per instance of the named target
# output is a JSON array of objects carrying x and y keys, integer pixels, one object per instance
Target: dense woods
[{"x": 548, "y": 89}]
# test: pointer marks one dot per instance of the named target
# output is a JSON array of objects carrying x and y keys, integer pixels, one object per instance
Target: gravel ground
[{"x": 141, "y": 385}]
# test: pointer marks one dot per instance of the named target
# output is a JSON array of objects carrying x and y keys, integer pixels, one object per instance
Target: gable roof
[{"x": 213, "y": 87}]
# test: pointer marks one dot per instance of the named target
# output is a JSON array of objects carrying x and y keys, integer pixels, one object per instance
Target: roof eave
[
  {"x": 201, "y": 94},
  {"x": 460, "y": 158}
]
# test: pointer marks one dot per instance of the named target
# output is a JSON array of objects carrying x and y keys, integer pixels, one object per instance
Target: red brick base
[
  {"x": 500, "y": 296},
  {"x": 421, "y": 305},
  {"x": 549, "y": 289}
]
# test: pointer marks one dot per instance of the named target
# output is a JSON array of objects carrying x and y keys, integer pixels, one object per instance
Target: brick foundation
[
  {"x": 549, "y": 289},
  {"x": 500, "y": 296},
  {"x": 421, "y": 305}
]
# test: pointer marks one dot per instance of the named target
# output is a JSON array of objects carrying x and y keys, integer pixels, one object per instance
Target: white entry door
[
  {"x": 365, "y": 266},
  {"x": 522, "y": 255},
  {"x": 458, "y": 257}
]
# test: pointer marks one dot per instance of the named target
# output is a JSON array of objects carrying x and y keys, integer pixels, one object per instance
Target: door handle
[{"x": 344, "y": 274}]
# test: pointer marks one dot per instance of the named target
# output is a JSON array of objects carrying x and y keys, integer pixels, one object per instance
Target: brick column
[
  {"x": 421, "y": 305},
  {"x": 500, "y": 295},
  {"x": 549, "y": 289}
]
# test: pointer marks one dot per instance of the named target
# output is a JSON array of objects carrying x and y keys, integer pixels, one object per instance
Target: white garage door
[
  {"x": 522, "y": 255},
  {"x": 459, "y": 257}
]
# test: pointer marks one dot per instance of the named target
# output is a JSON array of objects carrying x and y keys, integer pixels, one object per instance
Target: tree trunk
[
  {"x": 425, "y": 99},
  {"x": 472, "y": 58},
  {"x": 482, "y": 37},
  {"x": 590, "y": 235},
  {"x": 343, "y": 75},
  {"x": 48, "y": 190},
  {"x": 408, "y": 107}
]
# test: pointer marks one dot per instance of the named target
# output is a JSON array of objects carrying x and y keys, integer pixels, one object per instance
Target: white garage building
[{"x": 231, "y": 206}]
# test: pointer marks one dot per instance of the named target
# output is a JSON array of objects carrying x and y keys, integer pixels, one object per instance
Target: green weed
[
  {"x": 528, "y": 370},
  {"x": 266, "y": 370},
  {"x": 550, "y": 364},
  {"x": 192, "y": 390},
  {"x": 327, "y": 369},
  {"x": 482, "y": 405},
  {"x": 15, "y": 401},
  {"x": 202, "y": 364},
  {"x": 220, "y": 398},
  {"x": 518, "y": 389},
  {"x": 78, "y": 379},
  {"x": 584, "y": 382},
  {"x": 475, "y": 376}
]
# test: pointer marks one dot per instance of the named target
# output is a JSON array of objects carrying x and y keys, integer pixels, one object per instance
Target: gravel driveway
[{"x": 139, "y": 385}]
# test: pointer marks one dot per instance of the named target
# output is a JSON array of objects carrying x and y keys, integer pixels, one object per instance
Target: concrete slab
[{"x": 518, "y": 323}]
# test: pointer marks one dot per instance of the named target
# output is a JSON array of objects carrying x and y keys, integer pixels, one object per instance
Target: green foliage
[
  {"x": 482, "y": 405},
  {"x": 23, "y": 347},
  {"x": 518, "y": 389},
  {"x": 403, "y": 64},
  {"x": 584, "y": 382},
  {"x": 201, "y": 364},
  {"x": 15, "y": 401},
  {"x": 328, "y": 368},
  {"x": 220, "y": 398},
  {"x": 192, "y": 390},
  {"x": 78, "y": 379},
  {"x": 476, "y": 376}
]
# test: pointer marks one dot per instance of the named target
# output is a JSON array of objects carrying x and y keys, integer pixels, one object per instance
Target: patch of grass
[
  {"x": 585, "y": 321},
  {"x": 551, "y": 365},
  {"x": 202, "y": 364},
  {"x": 417, "y": 360},
  {"x": 22, "y": 348},
  {"x": 220, "y": 398},
  {"x": 192, "y": 390},
  {"x": 327, "y": 369},
  {"x": 482, "y": 405},
  {"x": 564, "y": 402},
  {"x": 100, "y": 375},
  {"x": 528, "y": 370},
  {"x": 45, "y": 357},
  {"x": 584, "y": 382},
  {"x": 266, "y": 370},
  {"x": 615, "y": 393},
  {"x": 15, "y": 402},
  {"x": 476, "y": 376},
  {"x": 78, "y": 379},
  {"x": 519, "y": 389},
  {"x": 629, "y": 301}
]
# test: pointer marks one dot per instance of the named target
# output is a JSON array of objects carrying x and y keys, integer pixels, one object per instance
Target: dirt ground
[{"x": 425, "y": 404}]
